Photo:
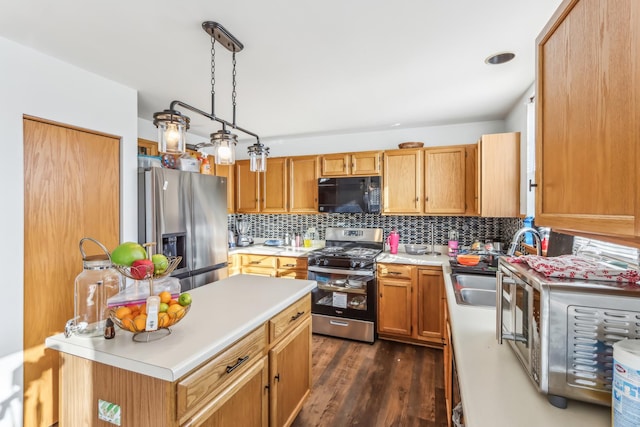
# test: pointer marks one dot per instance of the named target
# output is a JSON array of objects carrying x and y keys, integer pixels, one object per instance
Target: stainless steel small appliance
[
  {"x": 562, "y": 330},
  {"x": 242, "y": 228},
  {"x": 344, "y": 303}
]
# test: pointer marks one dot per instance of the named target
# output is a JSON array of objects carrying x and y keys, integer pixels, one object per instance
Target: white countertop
[
  {"x": 404, "y": 258},
  {"x": 222, "y": 312},
  {"x": 495, "y": 390},
  {"x": 261, "y": 249}
]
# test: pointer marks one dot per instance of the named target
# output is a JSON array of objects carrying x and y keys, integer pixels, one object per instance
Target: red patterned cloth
[{"x": 574, "y": 267}]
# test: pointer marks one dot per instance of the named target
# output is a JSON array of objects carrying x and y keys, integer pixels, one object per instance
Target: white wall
[
  {"x": 464, "y": 133},
  {"x": 38, "y": 85},
  {"x": 516, "y": 121}
]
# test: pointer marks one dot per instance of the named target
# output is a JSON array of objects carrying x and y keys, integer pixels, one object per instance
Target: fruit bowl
[
  {"x": 133, "y": 318},
  {"x": 135, "y": 274}
]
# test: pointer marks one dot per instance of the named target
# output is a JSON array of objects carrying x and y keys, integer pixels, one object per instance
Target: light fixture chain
[
  {"x": 213, "y": 75},
  {"x": 234, "y": 93}
]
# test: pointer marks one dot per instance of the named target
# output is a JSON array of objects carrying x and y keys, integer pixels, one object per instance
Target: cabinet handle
[
  {"x": 255, "y": 262},
  {"x": 394, "y": 272},
  {"x": 289, "y": 265},
  {"x": 297, "y": 315},
  {"x": 532, "y": 185},
  {"x": 277, "y": 377},
  {"x": 238, "y": 363}
]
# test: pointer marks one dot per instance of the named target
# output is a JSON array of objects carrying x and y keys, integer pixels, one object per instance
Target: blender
[{"x": 242, "y": 229}]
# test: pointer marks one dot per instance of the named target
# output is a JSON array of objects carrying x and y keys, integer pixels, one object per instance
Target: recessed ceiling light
[
  {"x": 500, "y": 58},
  {"x": 395, "y": 125}
]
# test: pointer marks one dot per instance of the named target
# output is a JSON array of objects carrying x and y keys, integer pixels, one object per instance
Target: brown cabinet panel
[
  {"x": 275, "y": 186},
  {"x": 247, "y": 188},
  {"x": 366, "y": 163},
  {"x": 395, "y": 307},
  {"x": 445, "y": 177},
  {"x": 148, "y": 148},
  {"x": 430, "y": 294},
  {"x": 587, "y": 119},
  {"x": 499, "y": 174},
  {"x": 335, "y": 165},
  {"x": 227, "y": 171},
  {"x": 303, "y": 184},
  {"x": 403, "y": 178}
]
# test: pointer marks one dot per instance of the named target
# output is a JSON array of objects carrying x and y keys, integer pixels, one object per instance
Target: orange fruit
[
  {"x": 173, "y": 302},
  {"x": 175, "y": 311},
  {"x": 163, "y": 320},
  {"x": 165, "y": 296},
  {"x": 143, "y": 308},
  {"x": 127, "y": 322},
  {"x": 140, "y": 322},
  {"x": 121, "y": 312}
]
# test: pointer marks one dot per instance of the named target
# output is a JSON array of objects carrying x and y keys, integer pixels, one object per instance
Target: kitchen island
[{"x": 238, "y": 338}]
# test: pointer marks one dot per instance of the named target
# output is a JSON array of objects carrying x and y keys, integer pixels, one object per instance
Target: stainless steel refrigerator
[{"x": 185, "y": 213}]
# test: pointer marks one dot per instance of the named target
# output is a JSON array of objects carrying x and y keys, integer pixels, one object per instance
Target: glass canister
[{"x": 93, "y": 286}]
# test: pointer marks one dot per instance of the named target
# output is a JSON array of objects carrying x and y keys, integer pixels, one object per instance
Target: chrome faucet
[{"x": 518, "y": 236}]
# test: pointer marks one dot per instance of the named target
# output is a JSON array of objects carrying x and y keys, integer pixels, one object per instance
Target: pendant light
[{"x": 173, "y": 125}]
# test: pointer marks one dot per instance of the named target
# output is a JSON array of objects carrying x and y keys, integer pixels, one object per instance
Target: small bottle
[
  {"x": 109, "y": 329},
  {"x": 205, "y": 166},
  {"x": 297, "y": 240},
  {"x": 453, "y": 243}
]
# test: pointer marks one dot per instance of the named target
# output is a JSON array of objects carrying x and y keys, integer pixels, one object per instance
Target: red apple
[{"x": 141, "y": 268}]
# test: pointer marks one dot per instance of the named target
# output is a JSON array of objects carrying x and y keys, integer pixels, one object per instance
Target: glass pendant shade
[
  {"x": 172, "y": 131},
  {"x": 224, "y": 147},
  {"x": 258, "y": 154}
]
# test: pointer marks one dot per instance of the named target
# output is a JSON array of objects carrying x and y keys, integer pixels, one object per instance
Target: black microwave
[{"x": 349, "y": 194}]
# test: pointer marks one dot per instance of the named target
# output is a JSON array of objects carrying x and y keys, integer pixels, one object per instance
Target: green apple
[
  {"x": 184, "y": 299},
  {"x": 128, "y": 252},
  {"x": 160, "y": 263}
]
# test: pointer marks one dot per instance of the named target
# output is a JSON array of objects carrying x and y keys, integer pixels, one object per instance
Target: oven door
[
  {"x": 343, "y": 293},
  {"x": 513, "y": 314}
]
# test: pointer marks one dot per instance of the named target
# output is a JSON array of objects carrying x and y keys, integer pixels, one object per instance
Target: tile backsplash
[{"x": 412, "y": 229}]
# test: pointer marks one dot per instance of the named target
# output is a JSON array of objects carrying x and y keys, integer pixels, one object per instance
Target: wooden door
[
  {"x": 290, "y": 370},
  {"x": 243, "y": 403},
  {"x": 247, "y": 188},
  {"x": 429, "y": 296},
  {"x": 394, "y": 306},
  {"x": 587, "y": 119},
  {"x": 366, "y": 163},
  {"x": 402, "y": 181},
  {"x": 445, "y": 178},
  {"x": 72, "y": 190},
  {"x": 275, "y": 186},
  {"x": 228, "y": 172},
  {"x": 303, "y": 184},
  {"x": 500, "y": 175},
  {"x": 335, "y": 165}
]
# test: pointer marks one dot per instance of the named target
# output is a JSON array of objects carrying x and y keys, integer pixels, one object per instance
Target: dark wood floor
[{"x": 381, "y": 385}]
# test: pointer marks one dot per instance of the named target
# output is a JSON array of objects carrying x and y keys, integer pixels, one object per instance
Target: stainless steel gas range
[{"x": 344, "y": 303}]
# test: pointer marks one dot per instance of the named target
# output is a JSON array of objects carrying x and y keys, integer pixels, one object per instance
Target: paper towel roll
[{"x": 625, "y": 393}]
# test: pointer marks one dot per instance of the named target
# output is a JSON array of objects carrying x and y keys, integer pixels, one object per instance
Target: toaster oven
[{"x": 562, "y": 330}]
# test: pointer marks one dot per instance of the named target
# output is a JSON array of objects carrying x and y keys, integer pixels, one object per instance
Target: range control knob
[
  {"x": 318, "y": 260},
  {"x": 353, "y": 264},
  {"x": 362, "y": 263},
  {"x": 325, "y": 261}
]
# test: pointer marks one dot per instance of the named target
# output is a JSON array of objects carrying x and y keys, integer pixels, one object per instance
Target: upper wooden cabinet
[
  {"x": 227, "y": 171},
  {"x": 587, "y": 119},
  {"x": 444, "y": 180},
  {"x": 366, "y": 163},
  {"x": 303, "y": 184},
  {"x": 290, "y": 185},
  {"x": 498, "y": 175},
  {"x": 402, "y": 183}
]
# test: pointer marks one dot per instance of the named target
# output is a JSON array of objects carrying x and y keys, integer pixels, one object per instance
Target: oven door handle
[{"x": 344, "y": 272}]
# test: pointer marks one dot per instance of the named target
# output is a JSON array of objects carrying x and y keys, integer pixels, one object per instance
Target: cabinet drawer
[
  {"x": 259, "y": 261},
  {"x": 396, "y": 271},
  {"x": 294, "y": 263},
  {"x": 194, "y": 390},
  {"x": 259, "y": 271},
  {"x": 289, "y": 318}
]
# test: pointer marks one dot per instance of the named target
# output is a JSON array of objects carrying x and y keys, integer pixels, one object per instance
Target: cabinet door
[
  {"x": 499, "y": 162},
  {"x": 303, "y": 184},
  {"x": 146, "y": 147},
  {"x": 366, "y": 163},
  {"x": 228, "y": 172},
  {"x": 247, "y": 188},
  {"x": 394, "y": 306},
  {"x": 335, "y": 165},
  {"x": 244, "y": 403},
  {"x": 587, "y": 119},
  {"x": 402, "y": 181},
  {"x": 290, "y": 375},
  {"x": 447, "y": 356},
  {"x": 430, "y": 293},
  {"x": 275, "y": 186},
  {"x": 444, "y": 180},
  {"x": 471, "y": 180}
]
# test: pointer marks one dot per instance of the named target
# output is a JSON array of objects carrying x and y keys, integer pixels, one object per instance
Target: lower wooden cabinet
[
  {"x": 290, "y": 382},
  {"x": 410, "y": 303},
  {"x": 274, "y": 266}
]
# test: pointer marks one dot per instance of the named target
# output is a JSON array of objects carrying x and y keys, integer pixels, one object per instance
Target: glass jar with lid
[{"x": 93, "y": 286}]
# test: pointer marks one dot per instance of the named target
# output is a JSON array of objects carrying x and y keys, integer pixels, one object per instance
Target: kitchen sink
[{"x": 476, "y": 290}]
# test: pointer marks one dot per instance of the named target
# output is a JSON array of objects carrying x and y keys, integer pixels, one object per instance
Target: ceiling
[{"x": 307, "y": 67}]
